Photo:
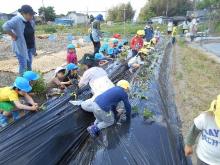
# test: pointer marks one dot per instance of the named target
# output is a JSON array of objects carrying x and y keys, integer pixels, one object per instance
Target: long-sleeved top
[
  {"x": 149, "y": 33},
  {"x": 137, "y": 43},
  {"x": 109, "y": 100},
  {"x": 96, "y": 33},
  {"x": 208, "y": 147},
  {"x": 71, "y": 58},
  {"x": 98, "y": 80},
  {"x": 17, "y": 26},
  {"x": 135, "y": 60}
]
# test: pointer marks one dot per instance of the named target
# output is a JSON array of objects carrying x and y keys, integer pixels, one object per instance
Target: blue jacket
[
  {"x": 149, "y": 33},
  {"x": 16, "y": 25},
  {"x": 109, "y": 100}
]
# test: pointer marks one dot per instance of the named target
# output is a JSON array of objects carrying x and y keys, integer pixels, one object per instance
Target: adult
[
  {"x": 96, "y": 34},
  {"x": 21, "y": 29}
]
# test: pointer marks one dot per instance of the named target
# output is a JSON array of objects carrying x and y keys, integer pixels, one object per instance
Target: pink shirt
[{"x": 71, "y": 58}]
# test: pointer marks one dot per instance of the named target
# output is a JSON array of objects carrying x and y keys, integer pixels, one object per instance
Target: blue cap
[
  {"x": 124, "y": 41},
  {"x": 100, "y": 17},
  {"x": 71, "y": 46},
  {"x": 22, "y": 84},
  {"x": 99, "y": 56},
  {"x": 102, "y": 49},
  {"x": 111, "y": 51},
  {"x": 71, "y": 66},
  {"x": 30, "y": 75},
  {"x": 115, "y": 41}
]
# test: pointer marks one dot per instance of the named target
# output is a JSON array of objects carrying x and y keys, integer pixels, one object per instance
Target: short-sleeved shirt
[
  {"x": 208, "y": 148},
  {"x": 8, "y": 94}
]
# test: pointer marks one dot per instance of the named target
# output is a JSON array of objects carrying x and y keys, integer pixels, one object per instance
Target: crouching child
[
  {"x": 71, "y": 76},
  {"x": 104, "y": 107},
  {"x": 135, "y": 62},
  {"x": 207, "y": 128},
  {"x": 9, "y": 100}
]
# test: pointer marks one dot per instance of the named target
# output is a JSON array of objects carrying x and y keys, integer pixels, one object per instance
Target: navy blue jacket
[{"x": 109, "y": 100}]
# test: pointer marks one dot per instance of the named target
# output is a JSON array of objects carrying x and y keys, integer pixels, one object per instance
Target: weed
[
  {"x": 39, "y": 86},
  {"x": 134, "y": 109},
  {"x": 147, "y": 114}
]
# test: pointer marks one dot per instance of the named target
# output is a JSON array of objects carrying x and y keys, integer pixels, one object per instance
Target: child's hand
[
  {"x": 34, "y": 108},
  {"x": 188, "y": 150}
]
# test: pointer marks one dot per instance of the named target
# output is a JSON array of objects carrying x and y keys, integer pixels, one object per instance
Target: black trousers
[{"x": 96, "y": 45}]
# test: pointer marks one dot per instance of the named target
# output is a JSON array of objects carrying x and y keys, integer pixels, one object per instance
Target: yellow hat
[
  {"x": 215, "y": 108},
  {"x": 154, "y": 40},
  {"x": 144, "y": 51},
  {"x": 124, "y": 84},
  {"x": 158, "y": 27},
  {"x": 146, "y": 43},
  {"x": 141, "y": 32}
]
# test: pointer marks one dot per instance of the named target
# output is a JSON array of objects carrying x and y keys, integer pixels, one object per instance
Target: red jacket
[
  {"x": 137, "y": 43},
  {"x": 71, "y": 58}
]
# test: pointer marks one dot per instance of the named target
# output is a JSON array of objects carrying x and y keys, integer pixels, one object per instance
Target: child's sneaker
[
  {"x": 3, "y": 120},
  {"x": 15, "y": 115},
  {"x": 93, "y": 131}
]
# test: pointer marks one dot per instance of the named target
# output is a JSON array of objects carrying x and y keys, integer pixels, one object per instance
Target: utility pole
[
  {"x": 43, "y": 12},
  {"x": 124, "y": 10}
]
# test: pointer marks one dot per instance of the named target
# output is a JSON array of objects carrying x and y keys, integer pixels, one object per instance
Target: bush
[
  {"x": 40, "y": 86},
  {"x": 50, "y": 30}
]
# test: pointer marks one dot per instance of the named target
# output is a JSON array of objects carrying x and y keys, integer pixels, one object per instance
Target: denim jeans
[{"x": 25, "y": 64}]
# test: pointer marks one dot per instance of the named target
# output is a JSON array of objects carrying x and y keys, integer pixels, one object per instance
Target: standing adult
[
  {"x": 149, "y": 31},
  {"x": 21, "y": 29},
  {"x": 96, "y": 34},
  {"x": 170, "y": 27}
]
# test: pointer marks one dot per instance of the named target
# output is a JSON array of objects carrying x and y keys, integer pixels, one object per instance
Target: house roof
[{"x": 74, "y": 12}]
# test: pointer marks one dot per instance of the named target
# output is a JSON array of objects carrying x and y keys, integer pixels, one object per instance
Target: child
[
  {"x": 105, "y": 106},
  {"x": 137, "y": 42},
  {"x": 71, "y": 54},
  {"x": 72, "y": 74},
  {"x": 207, "y": 127},
  {"x": 149, "y": 32},
  {"x": 100, "y": 58},
  {"x": 157, "y": 33},
  {"x": 9, "y": 100},
  {"x": 57, "y": 84},
  {"x": 174, "y": 32},
  {"x": 135, "y": 62},
  {"x": 31, "y": 76}
]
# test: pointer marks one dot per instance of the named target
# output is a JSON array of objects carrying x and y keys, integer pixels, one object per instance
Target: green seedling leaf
[
  {"x": 144, "y": 97},
  {"x": 147, "y": 114},
  {"x": 134, "y": 109}
]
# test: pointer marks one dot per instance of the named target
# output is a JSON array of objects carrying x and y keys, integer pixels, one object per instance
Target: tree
[
  {"x": 48, "y": 13},
  {"x": 208, "y": 4},
  {"x": 118, "y": 13},
  {"x": 164, "y": 8}
]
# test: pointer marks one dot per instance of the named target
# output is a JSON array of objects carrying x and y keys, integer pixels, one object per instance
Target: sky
[{"x": 63, "y": 6}]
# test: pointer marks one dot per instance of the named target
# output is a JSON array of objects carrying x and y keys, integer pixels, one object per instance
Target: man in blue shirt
[{"x": 105, "y": 106}]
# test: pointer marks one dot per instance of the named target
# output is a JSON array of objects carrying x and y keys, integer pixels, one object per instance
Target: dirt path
[
  {"x": 196, "y": 79},
  {"x": 43, "y": 63}
]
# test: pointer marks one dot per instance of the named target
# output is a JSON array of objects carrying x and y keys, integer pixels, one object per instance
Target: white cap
[{"x": 59, "y": 69}]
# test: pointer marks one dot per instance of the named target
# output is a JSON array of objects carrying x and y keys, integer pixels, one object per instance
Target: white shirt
[
  {"x": 98, "y": 80},
  {"x": 135, "y": 60},
  {"x": 208, "y": 148},
  {"x": 170, "y": 26}
]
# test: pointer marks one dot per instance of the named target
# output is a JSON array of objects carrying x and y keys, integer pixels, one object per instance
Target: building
[
  {"x": 5, "y": 17},
  {"x": 160, "y": 20},
  {"x": 77, "y": 18}
]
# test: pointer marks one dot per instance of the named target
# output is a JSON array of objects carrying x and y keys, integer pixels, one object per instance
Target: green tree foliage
[
  {"x": 117, "y": 13},
  {"x": 165, "y": 8},
  {"x": 48, "y": 13},
  {"x": 208, "y": 3}
]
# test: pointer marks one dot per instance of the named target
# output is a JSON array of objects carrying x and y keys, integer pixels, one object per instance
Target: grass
[{"x": 200, "y": 76}]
